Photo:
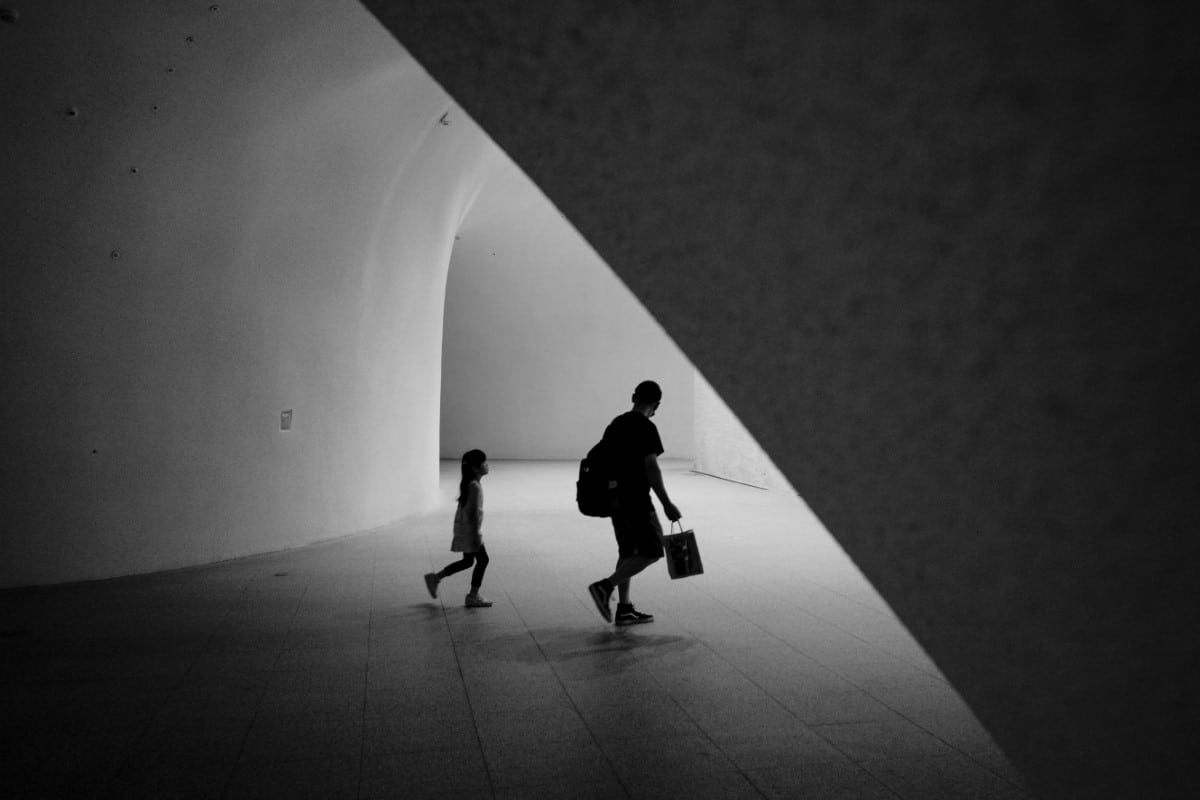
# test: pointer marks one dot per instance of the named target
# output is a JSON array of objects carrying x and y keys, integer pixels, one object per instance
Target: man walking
[{"x": 633, "y": 447}]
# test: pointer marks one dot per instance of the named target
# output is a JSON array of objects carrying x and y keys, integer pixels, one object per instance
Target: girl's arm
[{"x": 473, "y": 507}]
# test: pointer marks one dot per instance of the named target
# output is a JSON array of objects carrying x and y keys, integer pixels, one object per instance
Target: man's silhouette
[{"x": 633, "y": 447}]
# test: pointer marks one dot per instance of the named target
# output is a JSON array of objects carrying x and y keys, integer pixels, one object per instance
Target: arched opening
[{"x": 542, "y": 343}]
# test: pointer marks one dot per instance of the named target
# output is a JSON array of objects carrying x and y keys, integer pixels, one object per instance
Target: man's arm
[{"x": 654, "y": 475}]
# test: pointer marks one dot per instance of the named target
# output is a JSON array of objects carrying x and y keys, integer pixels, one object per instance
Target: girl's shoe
[
  {"x": 477, "y": 601},
  {"x": 431, "y": 582}
]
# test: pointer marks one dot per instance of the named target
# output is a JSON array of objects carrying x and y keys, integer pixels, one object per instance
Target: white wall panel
[{"x": 544, "y": 344}]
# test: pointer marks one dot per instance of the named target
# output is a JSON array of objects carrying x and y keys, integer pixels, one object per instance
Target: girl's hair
[{"x": 471, "y": 461}]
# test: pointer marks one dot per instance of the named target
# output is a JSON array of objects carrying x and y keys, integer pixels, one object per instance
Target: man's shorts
[{"x": 638, "y": 532}]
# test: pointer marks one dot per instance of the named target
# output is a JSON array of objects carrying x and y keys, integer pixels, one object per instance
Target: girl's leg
[
  {"x": 481, "y": 563},
  {"x": 458, "y": 566}
]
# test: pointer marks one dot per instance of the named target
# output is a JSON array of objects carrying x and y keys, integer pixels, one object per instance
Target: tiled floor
[{"x": 328, "y": 672}]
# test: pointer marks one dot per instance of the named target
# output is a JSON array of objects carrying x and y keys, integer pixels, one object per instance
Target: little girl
[{"x": 468, "y": 530}]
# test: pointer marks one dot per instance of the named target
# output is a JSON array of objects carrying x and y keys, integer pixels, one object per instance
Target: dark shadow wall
[{"x": 940, "y": 259}]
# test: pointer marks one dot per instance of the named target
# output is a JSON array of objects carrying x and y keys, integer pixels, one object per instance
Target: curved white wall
[
  {"x": 543, "y": 343},
  {"x": 252, "y": 210}
]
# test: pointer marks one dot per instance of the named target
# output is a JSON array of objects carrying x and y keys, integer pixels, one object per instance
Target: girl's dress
[{"x": 468, "y": 522}]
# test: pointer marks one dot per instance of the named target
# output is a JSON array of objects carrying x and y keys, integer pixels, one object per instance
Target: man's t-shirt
[{"x": 630, "y": 438}]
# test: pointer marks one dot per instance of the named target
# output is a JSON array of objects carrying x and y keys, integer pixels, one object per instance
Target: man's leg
[
  {"x": 639, "y": 545},
  {"x": 643, "y": 547},
  {"x": 627, "y": 567},
  {"x": 647, "y": 549}
]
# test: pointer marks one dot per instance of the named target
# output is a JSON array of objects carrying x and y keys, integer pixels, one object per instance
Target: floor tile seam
[
  {"x": 956, "y": 750},
  {"x": 176, "y": 683},
  {"x": 988, "y": 768},
  {"x": 966, "y": 756},
  {"x": 832, "y": 667},
  {"x": 567, "y": 589},
  {"x": 853, "y": 600},
  {"x": 766, "y": 631},
  {"x": 463, "y": 682},
  {"x": 876, "y": 696},
  {"x": 826, "y": 618},
  {"x": 111, "y": 769},
  {"x": 858, "y": 763},
  {"x": 703, "y": 732},
  {"x": 922, "y": 668},
  {"x": 765, "y": 772},
  {"x": 130, "y": 750},
  {"x": 834, "y": 624},
  {"x": 574, "y": 706},
  {"x": 225, "y": 787},
  {"x": 767, "y": 692},
  {"x": 149, "y": 726},
  {"x": 746, "y": 578},
  {"x": 761, "y": 688},
  {"x": 766, "y": 586},
  {"x": 204, "y": 649}
]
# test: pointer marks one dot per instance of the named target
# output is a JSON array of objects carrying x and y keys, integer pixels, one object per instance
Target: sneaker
[
  {"x": 477, "y": 601},
  {"x": 431, "y": 582},
  {"x": 601, "y": 595},
  {"x": 631, "y": 616}
]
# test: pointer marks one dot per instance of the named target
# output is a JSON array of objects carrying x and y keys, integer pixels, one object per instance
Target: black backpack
[{"x": 596, "y": 489}]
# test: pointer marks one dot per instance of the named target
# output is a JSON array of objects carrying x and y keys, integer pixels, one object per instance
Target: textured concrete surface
[
  {"x": 940, "y": 259},
  {"x": 328, "y": 672}
]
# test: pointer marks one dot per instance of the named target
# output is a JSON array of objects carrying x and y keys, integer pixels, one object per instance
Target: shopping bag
[{"x": 683, "y": 556}]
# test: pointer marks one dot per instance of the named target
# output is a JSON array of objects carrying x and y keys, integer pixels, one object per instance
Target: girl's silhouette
[{"x": 468, "y": 531}]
